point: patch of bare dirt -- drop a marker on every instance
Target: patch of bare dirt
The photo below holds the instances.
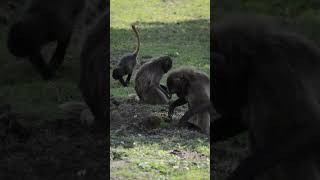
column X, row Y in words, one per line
column 63, row 149
column 130, row 115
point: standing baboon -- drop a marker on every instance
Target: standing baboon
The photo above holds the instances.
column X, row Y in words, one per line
column 44, row 22
column 94, row 70
column 269, row 79
column 147, row 81
column 127, row 63
column 192, row 87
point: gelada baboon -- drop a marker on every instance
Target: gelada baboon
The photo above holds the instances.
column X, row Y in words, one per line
column 127, row 63
column 193, row 88
column 44, row 22
column 94, row 70
column 267, row 80
column 147, row 81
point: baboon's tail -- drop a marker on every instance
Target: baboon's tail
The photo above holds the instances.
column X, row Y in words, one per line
column 138, row 39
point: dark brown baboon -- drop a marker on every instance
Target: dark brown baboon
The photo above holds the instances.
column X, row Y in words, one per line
column 147, row 81
column 193, row 88
column 44, row 22
column 267, row 80
column 94, row 70
column 127, row 63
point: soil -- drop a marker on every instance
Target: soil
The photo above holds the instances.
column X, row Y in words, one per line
column 63, row 149
column 130, row 115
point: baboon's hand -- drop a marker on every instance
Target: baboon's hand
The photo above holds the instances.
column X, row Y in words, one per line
column 124, row 84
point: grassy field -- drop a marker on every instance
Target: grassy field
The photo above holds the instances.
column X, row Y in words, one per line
column 180, row 29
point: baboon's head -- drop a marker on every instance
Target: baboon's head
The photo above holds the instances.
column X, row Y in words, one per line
column 166, row 63
column 177, row 83
column 117, row 74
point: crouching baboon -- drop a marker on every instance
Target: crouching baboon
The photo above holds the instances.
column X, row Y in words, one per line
column 192, row 87
column 267, row 80
column 147, row 81
column 127, row 63
column 94, row 69
column 44, row 22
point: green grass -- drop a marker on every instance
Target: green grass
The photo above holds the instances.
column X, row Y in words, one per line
column 180, row 29
column 23, row 88
column 148, row 156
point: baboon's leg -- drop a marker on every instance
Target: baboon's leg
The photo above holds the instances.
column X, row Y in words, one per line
column 204, row 122
column 58, row 57
column 155, row 96
column 178, row 102
column 41, row 66
column 200, row 109
column 128, row 78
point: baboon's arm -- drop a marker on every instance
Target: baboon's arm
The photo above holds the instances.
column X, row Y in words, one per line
column 41, row 66
column 128, row 79
column 122, row 82
column 178, row 102
column 58, row 56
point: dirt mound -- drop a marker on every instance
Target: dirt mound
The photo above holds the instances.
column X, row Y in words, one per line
column 132, row 116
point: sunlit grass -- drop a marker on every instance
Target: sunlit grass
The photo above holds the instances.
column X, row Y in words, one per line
column 124, row 12
column 180, row 29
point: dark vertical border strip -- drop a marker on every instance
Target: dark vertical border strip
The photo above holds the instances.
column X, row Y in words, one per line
column 108, row 95
column 211, row 82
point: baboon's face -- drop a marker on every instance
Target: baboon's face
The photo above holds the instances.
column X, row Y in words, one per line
column 171, row 84
column 177, row 85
